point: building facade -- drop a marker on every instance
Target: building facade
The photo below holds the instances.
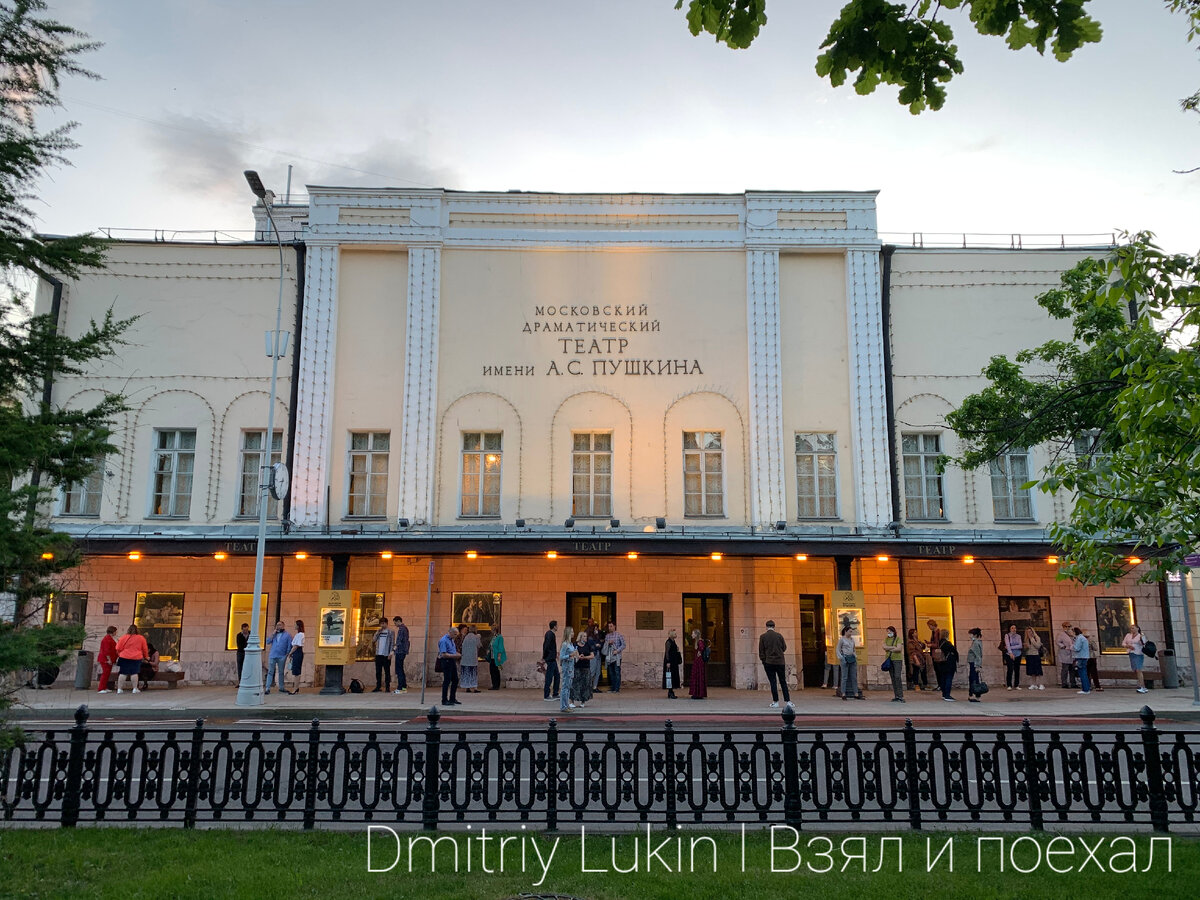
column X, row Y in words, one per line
column 667, row 411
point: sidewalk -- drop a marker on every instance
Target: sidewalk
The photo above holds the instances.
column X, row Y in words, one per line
column 722, row 704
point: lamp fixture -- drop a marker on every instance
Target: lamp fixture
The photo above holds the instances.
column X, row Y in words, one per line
column 1133, row 560
column 614, row 523
column 301, row 555
column 1053, row 560
column 570, row 523
column 781, row 525
column 134, row 555
column 220, row 556
column 968, row 560
column 632, row 554
column 520, row 523
column 402, row 523
column 717, row 556
column 801, row 557
column 551, row 554
column 882, row 558
column 385, row 554
column 660, row 523
column 472, row 554
column 47, row 555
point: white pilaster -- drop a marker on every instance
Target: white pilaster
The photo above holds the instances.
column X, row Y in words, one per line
column 418, row 441
column 767, row 504
column 868, row 400
column 314, row 401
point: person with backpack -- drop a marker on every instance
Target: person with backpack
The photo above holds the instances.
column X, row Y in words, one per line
column 1082, row 652
column 975, row 665
column 699, row 685
column 1135, row 645
column 893, row 649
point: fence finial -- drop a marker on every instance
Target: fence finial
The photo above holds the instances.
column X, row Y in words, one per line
column 81, row 715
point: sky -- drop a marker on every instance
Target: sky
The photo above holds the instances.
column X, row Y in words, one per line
column 572, row 95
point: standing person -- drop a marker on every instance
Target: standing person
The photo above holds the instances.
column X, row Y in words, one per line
column 614, row 644
column 470, row 661
column 1014, row 648
column 893, row 649
column 672, row 660
column 1135, row 646
column 296, row 654
column 597, row 642
column 581, row 688
column 567, row 655
column 771, row 650
column 402, row 647
column 918, row 674
column 108, row 658
column 1033, row 659
column 699, row 684
column 1093, row 661
column 935, row 650
column 974, row 664
column 949, row 667
column 383, row 657
column 849, row 663
column 1065, row 656
column 242, row 638
column 550, row 661
column 447, row 661
column 279, row 644
column 1082, row 654
column 496, row 657
column 131, row 650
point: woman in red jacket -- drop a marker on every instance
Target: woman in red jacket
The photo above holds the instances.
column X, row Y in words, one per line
column 131, row 650
column 108, row 657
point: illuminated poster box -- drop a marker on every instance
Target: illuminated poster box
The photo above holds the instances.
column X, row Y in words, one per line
column 337, row 624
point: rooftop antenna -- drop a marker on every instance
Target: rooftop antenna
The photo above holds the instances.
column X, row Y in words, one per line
column 287, row 191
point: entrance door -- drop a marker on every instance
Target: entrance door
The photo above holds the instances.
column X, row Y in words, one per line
column 812, row 639
column 601, row 607
column 710, row 614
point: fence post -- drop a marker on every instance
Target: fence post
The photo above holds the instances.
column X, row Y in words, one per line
column 791, row 769
column 193, row 782
column 1154, row 771
column 433, row 743
column 310, row 775
column 669, row 773
column 552, row 776
column 912, row 775
column 1033, row 784
column 73, row 790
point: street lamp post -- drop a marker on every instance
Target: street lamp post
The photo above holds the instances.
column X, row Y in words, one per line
column 271, row 480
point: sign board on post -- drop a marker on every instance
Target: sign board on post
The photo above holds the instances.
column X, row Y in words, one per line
column 850, row 608
column 337, row 625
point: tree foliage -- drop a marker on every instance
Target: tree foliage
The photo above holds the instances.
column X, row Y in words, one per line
column 42, row 446
column 1128, row 386
column 911, row 45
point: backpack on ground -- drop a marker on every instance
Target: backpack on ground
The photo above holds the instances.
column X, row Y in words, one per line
column 355, row 686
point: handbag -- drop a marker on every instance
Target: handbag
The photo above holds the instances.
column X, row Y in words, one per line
column 887, row 665
column 541, row 666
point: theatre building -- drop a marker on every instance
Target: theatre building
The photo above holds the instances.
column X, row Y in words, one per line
column 667, row 411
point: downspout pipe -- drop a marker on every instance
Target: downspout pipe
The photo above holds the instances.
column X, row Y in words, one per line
column 294, row 390
column 885, row 309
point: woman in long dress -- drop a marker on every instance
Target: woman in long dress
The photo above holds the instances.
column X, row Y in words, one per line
column 672, row 659
column 581, row 690
column 699, row 686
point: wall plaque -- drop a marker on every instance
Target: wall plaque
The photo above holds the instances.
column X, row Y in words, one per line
column 648, row 620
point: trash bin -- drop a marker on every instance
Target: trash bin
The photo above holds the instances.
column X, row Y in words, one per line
column 1170, row 672
column 83, row 670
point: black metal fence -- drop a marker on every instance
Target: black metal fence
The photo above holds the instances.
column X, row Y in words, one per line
column 547, row 777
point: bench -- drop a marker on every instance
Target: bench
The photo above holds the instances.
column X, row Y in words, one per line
column 1126, row 674
column 171, row 679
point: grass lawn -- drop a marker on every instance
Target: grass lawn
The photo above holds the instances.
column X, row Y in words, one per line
column 161, row 863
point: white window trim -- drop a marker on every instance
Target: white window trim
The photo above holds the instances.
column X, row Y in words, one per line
column 274, row 507
column 837, row 480
column 683, row 451
column 62, row 496
column 476, row 517
column 612, row 454
column 1016, row 520
column 360, row 517
column 941, row 478
column 153, row 452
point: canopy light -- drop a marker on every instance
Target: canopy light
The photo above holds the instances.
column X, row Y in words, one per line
column 220, row 555
column 300, row 554
column 134, row 555
column 471, row 554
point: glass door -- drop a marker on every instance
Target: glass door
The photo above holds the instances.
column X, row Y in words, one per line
column 600, row 608
column 710, row 615
column 812, row 639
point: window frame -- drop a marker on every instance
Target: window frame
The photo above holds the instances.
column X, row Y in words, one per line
column 273, row 508
column 837, row 477
column 1014, row 489
column 923, row 455
column 84, row 492
column 371, row 475
column 480, row 474
column 155, row 454
column 704, row 453
column 592, row 453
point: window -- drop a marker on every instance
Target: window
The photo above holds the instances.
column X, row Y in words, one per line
column 82, row 498
column 67, row 608
column 922, row 481
column 368, row 473
column 1009, row 499
column 591, row 474
column 253, row 463
column 703, row 474
column 481, row 459
column 174, row 462
column 1091, row 451
column 816, row 476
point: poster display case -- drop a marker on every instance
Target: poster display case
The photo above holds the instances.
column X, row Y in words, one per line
column 337, row 624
